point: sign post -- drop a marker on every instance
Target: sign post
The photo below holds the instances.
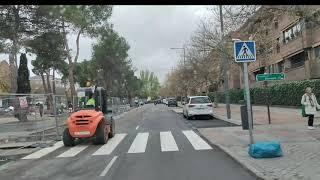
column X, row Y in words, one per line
column 265, row 78
column 244, row 52
column 267, row 99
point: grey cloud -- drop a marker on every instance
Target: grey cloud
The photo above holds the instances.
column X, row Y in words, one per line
column 152, row 30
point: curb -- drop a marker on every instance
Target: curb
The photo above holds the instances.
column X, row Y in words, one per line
column 252, row 170
column 227, row 120
column 248, row 167
column 245, row 165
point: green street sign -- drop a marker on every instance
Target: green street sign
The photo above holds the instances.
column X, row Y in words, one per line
column 270, row 77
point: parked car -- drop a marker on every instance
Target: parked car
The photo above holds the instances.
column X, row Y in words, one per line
column 165, row 101
column 197, row 106
column 172, row 102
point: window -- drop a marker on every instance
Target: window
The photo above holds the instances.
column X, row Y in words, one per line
column 200, row 100
column 271, row 68
column 292, row 32
column 278, row 45
column 281, row 66
column 297, row 60
column 317, row 52
column 276, row 24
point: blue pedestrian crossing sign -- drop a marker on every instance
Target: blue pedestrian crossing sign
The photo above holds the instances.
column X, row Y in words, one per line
column 244, row 51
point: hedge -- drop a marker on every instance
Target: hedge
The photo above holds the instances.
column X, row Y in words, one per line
column 285, row 94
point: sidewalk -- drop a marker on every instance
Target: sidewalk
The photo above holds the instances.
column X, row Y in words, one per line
column 278, row 115
column 300, row 146
column 15, row 128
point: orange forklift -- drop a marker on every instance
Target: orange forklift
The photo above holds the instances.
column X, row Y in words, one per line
column 89, row 121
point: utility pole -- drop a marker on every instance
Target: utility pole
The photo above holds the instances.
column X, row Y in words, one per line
column 184, row 63
column 225, row 68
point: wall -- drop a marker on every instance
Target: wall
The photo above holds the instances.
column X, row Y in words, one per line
column 296, row 74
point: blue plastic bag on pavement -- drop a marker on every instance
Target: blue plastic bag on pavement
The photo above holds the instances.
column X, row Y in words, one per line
column 265, row 150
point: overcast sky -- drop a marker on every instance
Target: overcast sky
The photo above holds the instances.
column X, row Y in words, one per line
column 150, row 31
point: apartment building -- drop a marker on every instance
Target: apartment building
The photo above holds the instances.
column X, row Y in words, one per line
column 294, row 50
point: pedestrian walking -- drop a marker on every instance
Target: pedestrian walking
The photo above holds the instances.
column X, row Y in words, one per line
column 41, row 109
column 70, row 107
column 311, row 106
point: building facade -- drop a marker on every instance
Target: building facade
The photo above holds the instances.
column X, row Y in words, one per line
column 295, row 50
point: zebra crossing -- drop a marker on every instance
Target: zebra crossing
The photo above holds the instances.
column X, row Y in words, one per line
column 138, row 145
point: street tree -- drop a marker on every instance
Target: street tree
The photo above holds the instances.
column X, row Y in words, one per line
column 80, row 20
column 17, row 24
column 85, row 72
column 150, row 84
column 23, row 75
column 23, row 87
column 110, row 54
column 49, row 50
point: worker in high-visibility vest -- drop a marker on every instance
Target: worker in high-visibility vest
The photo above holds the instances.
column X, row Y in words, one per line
column 91, row 101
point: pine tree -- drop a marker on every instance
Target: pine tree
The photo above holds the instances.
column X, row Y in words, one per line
column 23, row 75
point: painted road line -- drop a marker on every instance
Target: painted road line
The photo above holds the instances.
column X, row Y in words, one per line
column 139, row 144
column 105, row 171
column 167, row 142
column 137, row 127
column 197, row 142
column 73, row 151
column 111, row 145
column 44, row 151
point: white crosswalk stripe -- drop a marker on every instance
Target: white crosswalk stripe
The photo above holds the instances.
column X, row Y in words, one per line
column 167, row 142
column 111, row 145
column 44, row 151
column 139, row 144
column 197, row 142
column 73, row 151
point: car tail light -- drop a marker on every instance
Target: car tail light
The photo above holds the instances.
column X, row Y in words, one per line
column 190, row 105
column 210, row 105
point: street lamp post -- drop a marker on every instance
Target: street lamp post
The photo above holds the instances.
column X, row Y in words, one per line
column 184, row 54
column 225, row 68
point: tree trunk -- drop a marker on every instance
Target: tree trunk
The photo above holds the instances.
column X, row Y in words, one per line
column 216, row 100
column 13, row 73
column 53, row 82
column 45, row 88
column 49, row 97
column 71, row 63
column 14, row 49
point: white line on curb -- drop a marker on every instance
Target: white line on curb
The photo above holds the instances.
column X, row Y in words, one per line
column 105, row 171
column 137, row 127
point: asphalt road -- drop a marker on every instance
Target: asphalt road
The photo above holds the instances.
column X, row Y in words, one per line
column 152, row 143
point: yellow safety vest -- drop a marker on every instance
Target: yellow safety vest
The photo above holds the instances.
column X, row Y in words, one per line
column 91, row 102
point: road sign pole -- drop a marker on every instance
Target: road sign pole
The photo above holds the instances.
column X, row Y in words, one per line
column 246, row 84
column 267, row 100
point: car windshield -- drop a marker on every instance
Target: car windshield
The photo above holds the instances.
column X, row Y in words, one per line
column 200, row 100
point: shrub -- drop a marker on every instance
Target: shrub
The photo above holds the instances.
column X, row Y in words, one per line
column 285, row 94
